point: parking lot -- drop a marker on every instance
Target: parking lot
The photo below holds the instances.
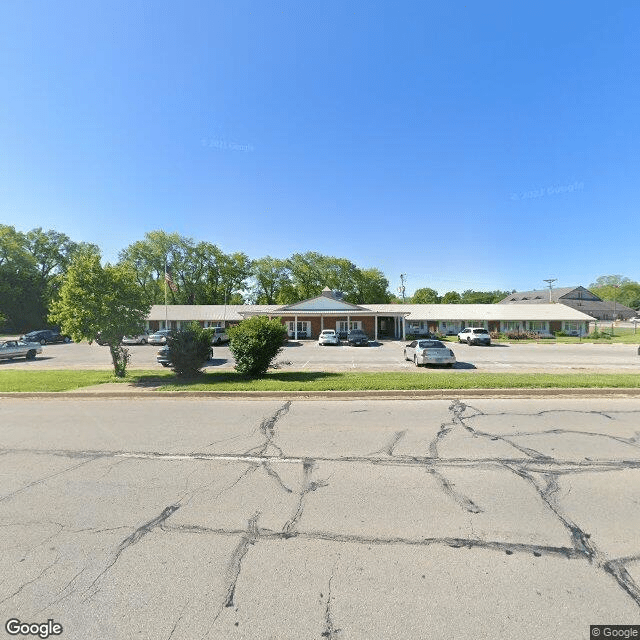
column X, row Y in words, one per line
column 387, row 356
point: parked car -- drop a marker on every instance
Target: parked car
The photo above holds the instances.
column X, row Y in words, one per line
column 10, row 349
column 141, row 338
column 160, row 337
column 45, row 336
column 429, row 352
column 163, row 356
column 328, row 336
column 357, row 337
column 475, row 335
column 219, row 335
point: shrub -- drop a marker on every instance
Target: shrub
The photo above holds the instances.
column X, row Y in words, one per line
column 189, row 349
column 561, row 334
column 599, row 335
column 255, row 342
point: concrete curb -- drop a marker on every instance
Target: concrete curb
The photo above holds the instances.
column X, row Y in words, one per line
column 414, row 394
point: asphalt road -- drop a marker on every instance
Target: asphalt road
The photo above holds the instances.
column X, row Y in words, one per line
column 310, row 356
column 186, row 519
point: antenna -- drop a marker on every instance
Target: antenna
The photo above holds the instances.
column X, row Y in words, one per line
column 550, row 281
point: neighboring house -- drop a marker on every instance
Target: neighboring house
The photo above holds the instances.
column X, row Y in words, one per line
column 307, row 318
column 577, row 298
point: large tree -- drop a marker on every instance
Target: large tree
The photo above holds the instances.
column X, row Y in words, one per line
column 100, row 300
column 201, row 272
column 426, row 295
column 270, row 281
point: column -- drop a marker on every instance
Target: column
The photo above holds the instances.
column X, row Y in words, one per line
column 375, row 324
column 295, row 327
column 404, row 326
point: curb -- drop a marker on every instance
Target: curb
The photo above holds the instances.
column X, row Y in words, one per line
column 413, row 394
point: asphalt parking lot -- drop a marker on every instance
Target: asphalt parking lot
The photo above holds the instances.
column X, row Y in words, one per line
column 388, row 356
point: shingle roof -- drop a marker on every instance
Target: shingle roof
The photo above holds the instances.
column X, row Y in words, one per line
column 205, row 312
column 483, row 311
column 232, row 312
column 539, row 296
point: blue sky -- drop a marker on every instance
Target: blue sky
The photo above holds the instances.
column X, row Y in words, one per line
column 480, row 145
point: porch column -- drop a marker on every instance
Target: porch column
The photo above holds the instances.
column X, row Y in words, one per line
column 348, row 324
column 375, row 324
column 402, row 319
column 295, row 327
column 321, row 323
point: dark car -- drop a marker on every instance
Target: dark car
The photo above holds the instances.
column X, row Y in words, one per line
column 357, row 337
column 45, row 336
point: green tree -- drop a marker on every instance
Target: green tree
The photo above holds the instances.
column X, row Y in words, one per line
column 425, row 295
column 451, row 297
column 482, row 297
column 100, row 300
column 270, row 280
column 255, row 342
column 608, row 281
column 371, row 286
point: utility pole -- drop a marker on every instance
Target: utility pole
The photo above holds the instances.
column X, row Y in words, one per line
column 550, row 281
column 615, row 297
column 401, row 288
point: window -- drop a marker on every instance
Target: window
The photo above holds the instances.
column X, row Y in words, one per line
column 537, row 325
column 302, row 327
column 571, row 327
column 341, row 325
column 511, row 326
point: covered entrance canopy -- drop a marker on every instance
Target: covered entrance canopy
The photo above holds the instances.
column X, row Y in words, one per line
column 327, row 311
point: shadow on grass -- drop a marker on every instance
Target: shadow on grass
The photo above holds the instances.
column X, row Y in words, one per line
column 216, row 377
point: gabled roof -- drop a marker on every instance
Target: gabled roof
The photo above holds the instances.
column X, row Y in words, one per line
column 321, row 303
column 541, row 296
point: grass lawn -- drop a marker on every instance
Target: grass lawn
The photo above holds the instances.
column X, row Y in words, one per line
column 314, row 381
column 623, row 335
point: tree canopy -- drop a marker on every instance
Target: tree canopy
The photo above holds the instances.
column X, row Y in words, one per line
column 100, row 300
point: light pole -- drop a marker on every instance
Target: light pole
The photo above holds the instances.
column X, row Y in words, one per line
column 615, row 296
column 550, row 281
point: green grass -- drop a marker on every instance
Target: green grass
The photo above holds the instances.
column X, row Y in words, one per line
column 426, row 379
column 60, row 380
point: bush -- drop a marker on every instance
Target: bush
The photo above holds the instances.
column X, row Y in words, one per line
column 599, row 335
column 561, row 334
column 189, row 349
column 255, row 342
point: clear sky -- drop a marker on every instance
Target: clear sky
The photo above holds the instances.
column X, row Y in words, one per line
column 484, row 145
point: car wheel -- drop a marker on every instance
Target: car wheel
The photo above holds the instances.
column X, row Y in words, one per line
column 164, row 364
column 43, row 342
column 415, row 361
column 469, row 341
column 405, row 354
column 66, row 339
column 31, row 354
column 143, row 341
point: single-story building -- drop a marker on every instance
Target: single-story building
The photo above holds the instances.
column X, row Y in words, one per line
column 307, row 318
column 576, row 297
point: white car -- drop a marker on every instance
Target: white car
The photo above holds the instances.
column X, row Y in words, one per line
column 19, row 349
column 475, row 335
column 142, row 338
column 328, row 336
column 219, row 335
column 429, row 352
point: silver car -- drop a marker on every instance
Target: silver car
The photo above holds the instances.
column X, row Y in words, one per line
column 328, row 336
column 429, row 352
column 160, row 337
column 19, row 349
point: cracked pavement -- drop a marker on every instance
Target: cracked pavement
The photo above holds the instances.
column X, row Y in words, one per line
column 202, row 518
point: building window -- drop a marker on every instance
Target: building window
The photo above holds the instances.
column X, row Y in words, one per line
column 571, row 327
column 537, row 325
column 302, row 327
column 341, row 325
column 511, row 326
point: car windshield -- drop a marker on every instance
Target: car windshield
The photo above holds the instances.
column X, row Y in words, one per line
column 431, row 344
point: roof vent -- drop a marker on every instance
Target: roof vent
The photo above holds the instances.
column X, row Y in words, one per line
column 327, row 293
